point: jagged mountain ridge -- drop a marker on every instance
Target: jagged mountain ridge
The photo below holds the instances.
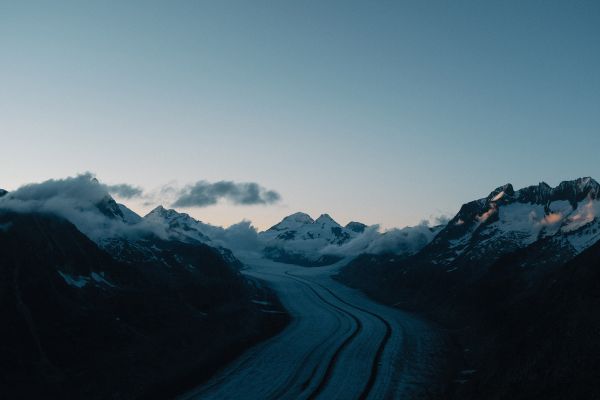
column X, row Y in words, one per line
column 179, row 224
column 561, row 222
column 301, row 226
column 300, row 239
column 180, row 227
column 506, row 220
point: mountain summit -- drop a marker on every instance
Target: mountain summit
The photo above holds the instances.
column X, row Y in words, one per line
column 180, row 225
column 293, row 221
column 300, row 239
column 507, row 220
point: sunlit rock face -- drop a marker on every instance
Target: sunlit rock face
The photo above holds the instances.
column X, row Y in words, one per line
column 507, row 220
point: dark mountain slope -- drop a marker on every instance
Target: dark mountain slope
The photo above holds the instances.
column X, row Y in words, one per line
column 543, row 331
column 79, row 324
column 529, row 326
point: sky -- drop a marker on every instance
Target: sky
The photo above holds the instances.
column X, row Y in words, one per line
column 385, row 112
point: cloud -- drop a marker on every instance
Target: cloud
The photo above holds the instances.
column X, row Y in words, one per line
column 440, row 220
column 238, row 237
column 405, row 241
column 125, row 190
column 82, row 200
column 202, row 194
column 86, row 202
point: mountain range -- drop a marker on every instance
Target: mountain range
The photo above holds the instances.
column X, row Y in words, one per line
column 298, row 239
column 509, row 277
column 98, row 302
column 90, row 289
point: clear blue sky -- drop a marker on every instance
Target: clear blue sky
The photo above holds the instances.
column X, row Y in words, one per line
column 380, row 111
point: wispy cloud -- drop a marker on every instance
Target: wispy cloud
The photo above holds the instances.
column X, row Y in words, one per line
column 202, row 194
column 125, row 190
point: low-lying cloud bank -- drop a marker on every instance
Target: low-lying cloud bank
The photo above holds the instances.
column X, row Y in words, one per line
column 202, row 194
column 82, row 200
column 408, row 240
column 86, row 203
column 242, row 236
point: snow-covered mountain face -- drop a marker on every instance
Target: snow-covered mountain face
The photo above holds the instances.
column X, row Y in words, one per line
column 129, row 216
column 300, row 239
column 241, row 237
column 302, row 228
column 507, row 220
column 178, row 225
column 86, row 203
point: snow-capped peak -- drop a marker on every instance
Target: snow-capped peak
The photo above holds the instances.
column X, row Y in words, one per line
column 300, row 235
column 109, row 207
column 161, row 211
column 578, row 189
column 129, row 216
column 538, row 194
column 501, row 192
column 326, row 220
column 179, row 224
column 505, row 220
column 357, row 227
column 299, row 217
column 293, row 221
column 169, row 215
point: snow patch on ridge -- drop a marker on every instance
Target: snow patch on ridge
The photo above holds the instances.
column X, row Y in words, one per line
column 77, row 281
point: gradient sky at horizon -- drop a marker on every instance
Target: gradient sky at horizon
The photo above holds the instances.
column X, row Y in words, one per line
column 384, row 112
